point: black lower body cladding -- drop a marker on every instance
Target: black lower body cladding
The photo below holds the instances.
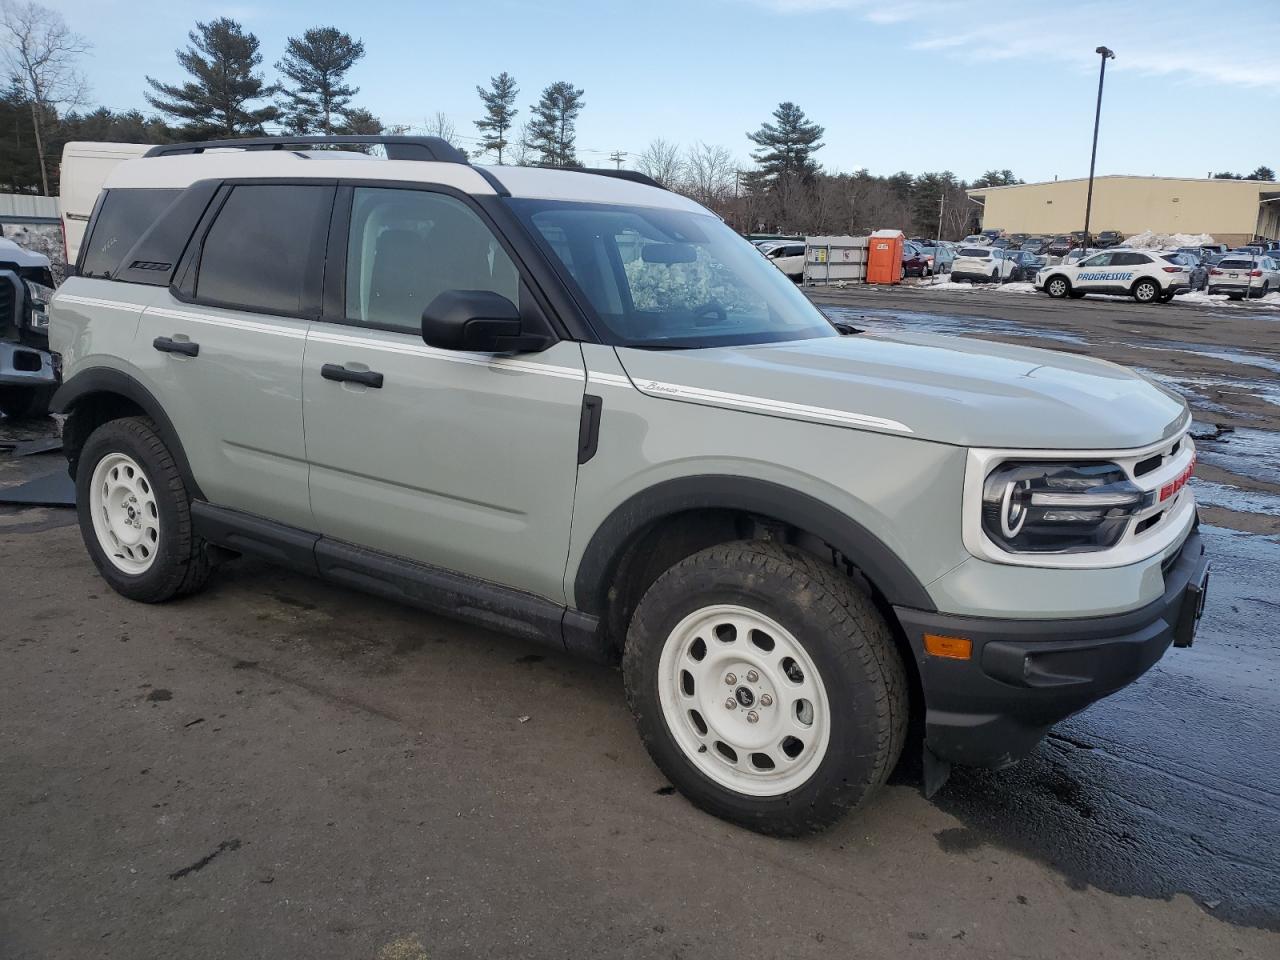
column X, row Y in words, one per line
column 1023, row 676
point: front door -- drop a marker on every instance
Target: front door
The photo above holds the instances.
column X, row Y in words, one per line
column 460, row 460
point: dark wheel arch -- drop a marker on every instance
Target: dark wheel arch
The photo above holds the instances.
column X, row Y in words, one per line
column 96, row 396
column 770, row 501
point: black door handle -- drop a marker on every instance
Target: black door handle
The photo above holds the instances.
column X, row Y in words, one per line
column 335, row 371
column 169, row 345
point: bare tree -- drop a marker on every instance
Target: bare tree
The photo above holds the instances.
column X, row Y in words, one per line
column 40, row 52
column 661, row 160
column 441, row 126
column 709, row 173
column 523, row 152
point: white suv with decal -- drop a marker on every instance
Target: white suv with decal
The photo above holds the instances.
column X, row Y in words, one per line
column 1147, row 277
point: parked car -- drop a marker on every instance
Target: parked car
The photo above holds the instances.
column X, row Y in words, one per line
column 983, row 265
column 1018, row 239
column 579, row 408
column 1214, row 248
column 1061, row 245
column 1108, row 238
column 28, row 371
column 1197, row 262
column 975, row 240
column 1002, row 243
column 789, row 258
column 992, row 233
column 914, row 261
column 941, row 256
column 1036, row 245
column 1244, row 276
column 1078, row 254
column 1147, row 277
column 1026, row 264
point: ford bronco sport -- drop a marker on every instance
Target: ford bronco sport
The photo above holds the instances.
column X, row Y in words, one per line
column 577, row 407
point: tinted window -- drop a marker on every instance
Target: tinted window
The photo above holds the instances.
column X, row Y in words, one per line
column 1101, row 260
column 407, row 247
column 1129, row 259
column 1233, row 264
column 264, row 251
column 979, row 253
column 124, row 216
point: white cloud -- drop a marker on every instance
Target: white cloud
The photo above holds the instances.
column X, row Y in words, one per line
column 1172, row 39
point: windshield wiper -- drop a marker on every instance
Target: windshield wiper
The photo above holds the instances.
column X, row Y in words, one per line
column 846, row 329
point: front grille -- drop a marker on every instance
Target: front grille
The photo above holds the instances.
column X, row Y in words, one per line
column 8, row 297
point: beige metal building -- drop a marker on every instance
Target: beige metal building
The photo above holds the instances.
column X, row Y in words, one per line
column 1233, row 211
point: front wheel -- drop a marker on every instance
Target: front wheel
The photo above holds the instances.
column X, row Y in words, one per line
column 1057, row 287
column 1146, row 291
column 23, row 403
column 135, row 514
column 766, row 687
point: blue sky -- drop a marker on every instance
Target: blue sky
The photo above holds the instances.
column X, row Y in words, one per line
column 915, row 85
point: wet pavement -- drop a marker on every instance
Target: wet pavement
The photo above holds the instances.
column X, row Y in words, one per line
column 338, row 774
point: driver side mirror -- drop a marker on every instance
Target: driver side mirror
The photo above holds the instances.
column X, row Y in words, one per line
column 480, row 321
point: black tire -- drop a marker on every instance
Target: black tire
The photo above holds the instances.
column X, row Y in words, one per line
column 25, row 403
column 840, row 630
column 1058, row 286
column 1146, row 290
column 182, row 564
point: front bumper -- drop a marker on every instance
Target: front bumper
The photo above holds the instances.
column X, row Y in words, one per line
column 24, row 366
column 1025, row 675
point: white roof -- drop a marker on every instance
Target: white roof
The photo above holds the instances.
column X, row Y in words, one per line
column 182, row 170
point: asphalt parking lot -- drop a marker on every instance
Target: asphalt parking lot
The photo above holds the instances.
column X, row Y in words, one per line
column 279, row 767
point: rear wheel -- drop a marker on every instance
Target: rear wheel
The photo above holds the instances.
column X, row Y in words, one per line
column 765, row 686
column 1057, row 287
column 22, row 403
column 1146, row 291
column 135, row 514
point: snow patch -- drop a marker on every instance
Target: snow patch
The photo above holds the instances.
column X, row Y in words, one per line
column 1149, row 240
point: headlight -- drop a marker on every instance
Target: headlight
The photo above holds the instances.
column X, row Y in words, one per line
column 38, row 295
column 1045, row 507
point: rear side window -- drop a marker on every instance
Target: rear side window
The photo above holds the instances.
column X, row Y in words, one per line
column 125, row 215
column 264, row 251
column 1129, row 259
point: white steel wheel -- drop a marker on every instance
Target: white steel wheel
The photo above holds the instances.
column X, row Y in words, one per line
column 126, row 519
column 743, row 700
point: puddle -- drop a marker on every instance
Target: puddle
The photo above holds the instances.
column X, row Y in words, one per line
column 1210, row 494
column 1213, row 353
column 1245, row 452
column 1193, row 388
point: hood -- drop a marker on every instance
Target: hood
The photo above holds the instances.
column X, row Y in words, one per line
column 10, row 252
column 945, row 389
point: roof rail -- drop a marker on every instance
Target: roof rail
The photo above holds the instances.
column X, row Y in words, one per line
column 634, row 176
column 397, row 147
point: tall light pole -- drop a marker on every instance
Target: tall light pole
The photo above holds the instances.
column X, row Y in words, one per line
column 1106, row 54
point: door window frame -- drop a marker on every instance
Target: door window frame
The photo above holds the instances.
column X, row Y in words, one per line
column 535, row 310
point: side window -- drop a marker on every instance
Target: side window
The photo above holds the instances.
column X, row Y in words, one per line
column 264, row 251
column 1101, row 260
column 123, row 218
column 406, row 247
column 1129, row 259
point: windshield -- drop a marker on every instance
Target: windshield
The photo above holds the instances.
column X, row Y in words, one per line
column 669, row 278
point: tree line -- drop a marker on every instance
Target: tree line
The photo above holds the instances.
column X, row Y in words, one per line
column 224, row 93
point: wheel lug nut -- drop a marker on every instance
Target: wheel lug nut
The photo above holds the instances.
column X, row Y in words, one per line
column 731, row 678
column 766, row 700
column 752, row 676
column 752, row 716
column 730, row 703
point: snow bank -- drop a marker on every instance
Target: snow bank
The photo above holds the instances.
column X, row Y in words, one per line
column 1147, row 240
column 948, row 286
column 1201, row 298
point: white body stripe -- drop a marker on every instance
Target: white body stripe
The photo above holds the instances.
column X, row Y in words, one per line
column 95, row 302
column 656, row 388
column 234, row 322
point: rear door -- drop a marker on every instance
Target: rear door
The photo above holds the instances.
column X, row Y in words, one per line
column 464, row 461
column 223, row 347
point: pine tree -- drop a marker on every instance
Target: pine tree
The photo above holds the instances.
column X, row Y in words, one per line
column 787, row 146
column 1263, row 173
column 499, row 109
column 552, row 136
column 317, row 64
column 359, row 122
column 216, row 102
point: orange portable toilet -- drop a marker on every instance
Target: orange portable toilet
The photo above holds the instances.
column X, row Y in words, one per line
column 884, row 257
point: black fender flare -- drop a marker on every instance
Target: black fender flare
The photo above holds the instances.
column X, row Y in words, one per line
column 105, row 381
column 863, row 549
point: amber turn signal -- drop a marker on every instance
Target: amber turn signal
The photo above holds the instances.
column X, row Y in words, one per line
column 957, row 648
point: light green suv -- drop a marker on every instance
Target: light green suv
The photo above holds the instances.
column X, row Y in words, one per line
column 577, row 407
